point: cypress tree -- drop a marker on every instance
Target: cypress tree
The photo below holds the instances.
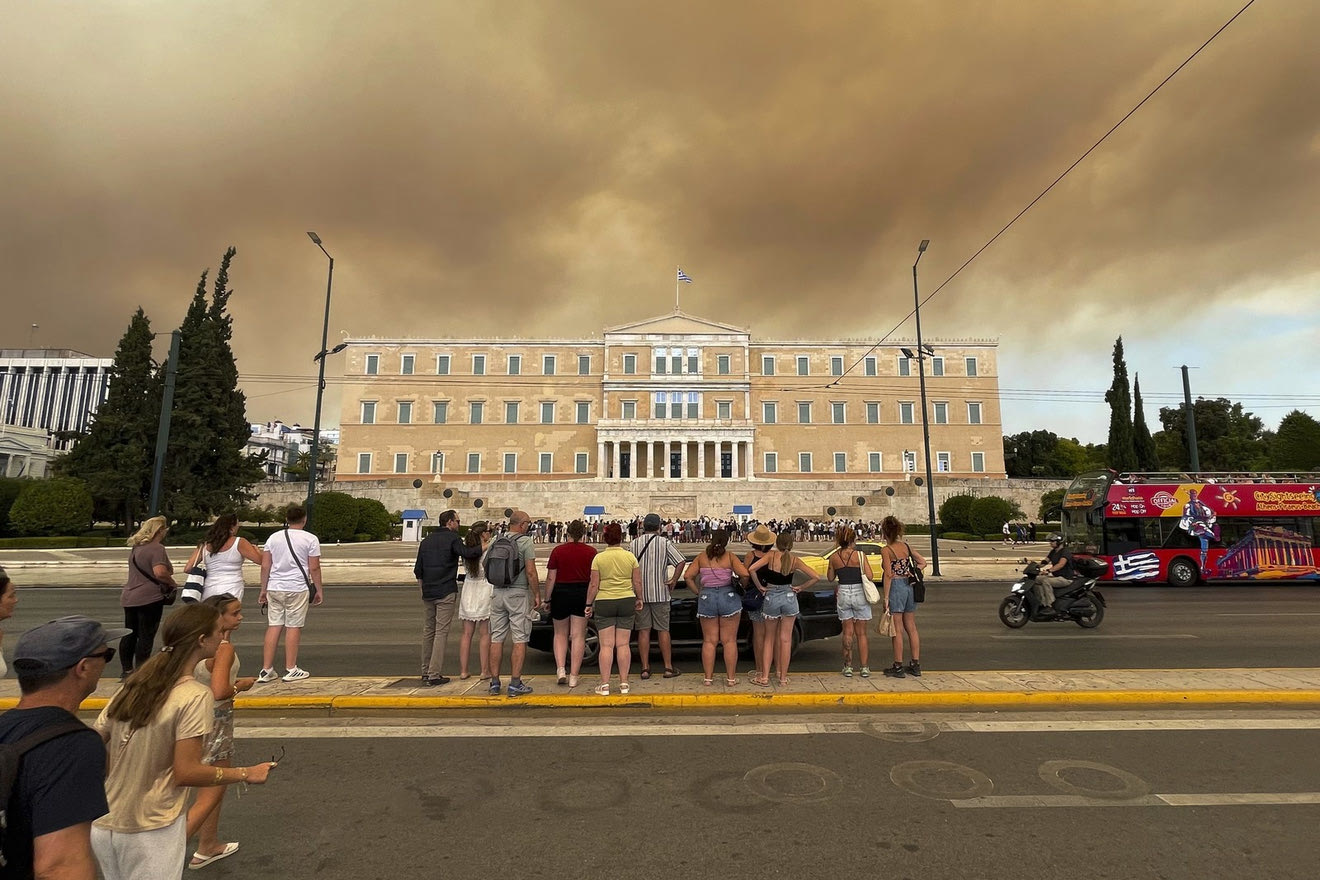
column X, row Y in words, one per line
column 114, row 456
column 1148, row 459
column 1121, row 451
column 207, row 471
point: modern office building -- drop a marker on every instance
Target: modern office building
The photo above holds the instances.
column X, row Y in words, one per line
column 670, row 399
column 54, row 390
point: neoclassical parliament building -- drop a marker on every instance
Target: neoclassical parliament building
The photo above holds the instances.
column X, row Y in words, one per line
column 663, row 403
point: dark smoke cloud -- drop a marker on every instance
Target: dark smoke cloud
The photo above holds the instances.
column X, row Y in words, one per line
column 562, row 158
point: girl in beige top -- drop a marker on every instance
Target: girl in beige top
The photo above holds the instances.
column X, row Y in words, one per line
column 153, row 730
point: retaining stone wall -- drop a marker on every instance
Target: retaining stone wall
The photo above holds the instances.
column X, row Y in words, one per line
column 769, row 499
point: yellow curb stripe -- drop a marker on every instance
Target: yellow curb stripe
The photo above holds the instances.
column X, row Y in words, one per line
column 877, row 699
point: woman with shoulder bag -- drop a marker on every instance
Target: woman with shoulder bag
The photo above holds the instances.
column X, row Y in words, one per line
column 149, row 589
column 153, row 729
column 222, row 554
column 898, row 596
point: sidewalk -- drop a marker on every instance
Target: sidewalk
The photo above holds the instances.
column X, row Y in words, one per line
column 805, row 691
column 365, row 572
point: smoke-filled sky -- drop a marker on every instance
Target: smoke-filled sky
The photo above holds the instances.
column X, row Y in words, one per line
column 541, row 167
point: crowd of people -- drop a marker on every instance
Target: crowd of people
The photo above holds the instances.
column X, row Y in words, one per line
column 125, row 796
column 698, row 530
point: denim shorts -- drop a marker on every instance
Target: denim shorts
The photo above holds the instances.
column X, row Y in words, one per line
column 852, row 603
column 901, row 600
column 719, row 602
column 780, row 603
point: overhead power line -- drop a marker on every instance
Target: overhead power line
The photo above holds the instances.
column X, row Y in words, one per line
column 1055, row 182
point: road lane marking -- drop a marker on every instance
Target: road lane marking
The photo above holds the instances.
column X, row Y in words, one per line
column 870, row 727
column 1156, row 636
column 1268, row 614
column 1244, row 799
column 1140, row 724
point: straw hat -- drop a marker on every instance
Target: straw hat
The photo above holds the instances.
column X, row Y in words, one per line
column 761, row 536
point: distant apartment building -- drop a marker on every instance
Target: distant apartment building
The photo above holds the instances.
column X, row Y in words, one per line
column 672, row 398
column 51, row 389
column 282, row 444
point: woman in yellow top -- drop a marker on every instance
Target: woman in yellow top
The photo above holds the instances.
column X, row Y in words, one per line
column 614, row 596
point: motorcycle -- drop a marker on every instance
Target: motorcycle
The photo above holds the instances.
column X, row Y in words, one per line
column 1080, row 602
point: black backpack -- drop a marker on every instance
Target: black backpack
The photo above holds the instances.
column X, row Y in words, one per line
column 503, row 561
column 11, row 759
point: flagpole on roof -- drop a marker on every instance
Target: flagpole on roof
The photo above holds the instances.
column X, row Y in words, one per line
column 677, row 270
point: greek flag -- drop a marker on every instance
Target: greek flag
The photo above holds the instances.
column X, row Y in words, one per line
column 1136, row 566
column 683, row 276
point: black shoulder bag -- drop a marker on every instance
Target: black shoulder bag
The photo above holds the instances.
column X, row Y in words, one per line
column 311, row 587
column 167, row 593
column 918, row 578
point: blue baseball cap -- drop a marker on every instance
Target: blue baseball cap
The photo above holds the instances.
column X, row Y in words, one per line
column 60, row 644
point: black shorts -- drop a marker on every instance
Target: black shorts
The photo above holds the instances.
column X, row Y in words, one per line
column 568, row 600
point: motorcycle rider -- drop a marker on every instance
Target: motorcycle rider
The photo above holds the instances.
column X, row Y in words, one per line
column 1057, row 571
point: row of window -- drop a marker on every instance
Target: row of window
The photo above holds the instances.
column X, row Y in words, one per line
column 675, row 405
column 545, row 462
column 667, row 361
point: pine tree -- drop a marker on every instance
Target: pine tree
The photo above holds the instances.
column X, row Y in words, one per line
column 114, row 456
column 1148, row 459
column 1122, row 454
column 207, row 471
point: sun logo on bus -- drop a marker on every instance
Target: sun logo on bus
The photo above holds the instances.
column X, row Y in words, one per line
column 1230, row 499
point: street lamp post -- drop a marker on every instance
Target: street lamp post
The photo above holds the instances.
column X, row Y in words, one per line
column 925, row 423
column 314, row 464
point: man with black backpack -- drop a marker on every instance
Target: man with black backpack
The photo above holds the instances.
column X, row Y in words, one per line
column 52, row 766
column 511, row 570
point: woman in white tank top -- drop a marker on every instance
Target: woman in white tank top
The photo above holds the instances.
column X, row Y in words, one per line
column 223, row 553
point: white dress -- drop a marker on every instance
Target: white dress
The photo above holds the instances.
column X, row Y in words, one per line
column 475, row 594
column 224, row 572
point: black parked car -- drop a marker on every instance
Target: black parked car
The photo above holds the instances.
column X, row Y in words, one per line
column 818, row 620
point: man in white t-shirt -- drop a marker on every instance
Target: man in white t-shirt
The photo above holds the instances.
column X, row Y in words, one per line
column 290, row 560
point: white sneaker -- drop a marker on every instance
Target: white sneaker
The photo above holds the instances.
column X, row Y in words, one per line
column 266, row 676
column 297, row 673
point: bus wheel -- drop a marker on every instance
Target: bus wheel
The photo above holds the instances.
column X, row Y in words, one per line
column 1183, row 572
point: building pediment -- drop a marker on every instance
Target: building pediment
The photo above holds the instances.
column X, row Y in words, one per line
column 675, row 323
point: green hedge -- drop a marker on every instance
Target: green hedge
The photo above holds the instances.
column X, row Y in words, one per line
column 58, row 543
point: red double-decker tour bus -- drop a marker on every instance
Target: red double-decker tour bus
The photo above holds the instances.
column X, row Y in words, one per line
column 1186, row 528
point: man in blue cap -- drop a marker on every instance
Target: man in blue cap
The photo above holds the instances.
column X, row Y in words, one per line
column 60, row 785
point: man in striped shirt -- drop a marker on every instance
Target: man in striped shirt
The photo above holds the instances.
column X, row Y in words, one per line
column 656, row 554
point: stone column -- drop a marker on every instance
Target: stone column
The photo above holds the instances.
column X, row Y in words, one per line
column 664, row 459
column 701, row 460
column 736, row 467
column 615, row 459
column 600, row 459
column 683, row 459
column 751, row 459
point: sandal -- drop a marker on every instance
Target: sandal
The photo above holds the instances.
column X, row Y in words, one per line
column 623, row 687
column 200, row 861
column 602, row 690
column 760, row 682
column 708, row 682
column 783, row 682
column 671, row 672
column 646, row 673
column 730, row 681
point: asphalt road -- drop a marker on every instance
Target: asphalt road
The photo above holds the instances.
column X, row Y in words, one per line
column 533, row 798
column 376, row 631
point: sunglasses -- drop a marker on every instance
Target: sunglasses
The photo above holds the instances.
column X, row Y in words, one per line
column 107, row 655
